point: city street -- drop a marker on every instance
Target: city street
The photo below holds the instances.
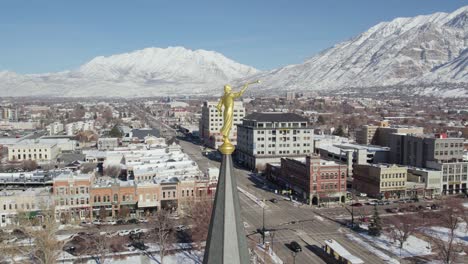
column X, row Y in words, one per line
column 287, row 220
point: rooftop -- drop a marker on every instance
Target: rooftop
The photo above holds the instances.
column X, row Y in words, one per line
column 275, row 117
column 343, row 252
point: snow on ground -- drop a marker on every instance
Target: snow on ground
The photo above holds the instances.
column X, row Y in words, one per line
column 63, row 237
column 68, row 226
column 442, row 233
column 412, row 247
column 274, row 258
column 372, row 249
column 319, row 217
column 252, row 197
column 184, row 257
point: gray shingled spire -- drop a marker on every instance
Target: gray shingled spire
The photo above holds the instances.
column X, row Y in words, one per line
column 226, row 241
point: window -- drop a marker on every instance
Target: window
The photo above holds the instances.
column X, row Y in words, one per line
column 116, row 197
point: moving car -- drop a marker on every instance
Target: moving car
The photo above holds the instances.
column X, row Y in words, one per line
column 295, row 246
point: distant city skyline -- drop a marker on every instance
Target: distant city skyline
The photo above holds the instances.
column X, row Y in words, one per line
column 39, row 37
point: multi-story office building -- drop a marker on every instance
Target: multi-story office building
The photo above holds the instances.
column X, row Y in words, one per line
column 380, row 180
column 33, row 150
column 9, row 113
column 435, row 152
column 211, row 123
column 351, row 154
column 267, row 137
column 454, row 175
column 366, row 134
column 379, row 134
column 55, row 128
column 313, row 179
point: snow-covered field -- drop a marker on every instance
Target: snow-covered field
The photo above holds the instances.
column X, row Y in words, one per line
column 411, row 248
column 372, row 249
column 442, row 233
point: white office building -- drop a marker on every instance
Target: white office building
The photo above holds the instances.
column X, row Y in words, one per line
column 267, row 137
column 211, row 123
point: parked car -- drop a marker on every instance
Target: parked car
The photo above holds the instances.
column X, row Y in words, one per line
column 120, row 222
column 139, row 245
column 132, row 221
column 124, row 233
column 356, row 204
column 70, row 249
column 295, row 246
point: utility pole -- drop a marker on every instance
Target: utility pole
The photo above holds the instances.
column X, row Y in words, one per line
column 263, row 222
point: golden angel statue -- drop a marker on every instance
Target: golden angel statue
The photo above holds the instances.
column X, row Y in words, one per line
column 227, row 100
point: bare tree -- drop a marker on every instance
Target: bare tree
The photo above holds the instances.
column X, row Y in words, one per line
column 46, row 247
column 446, row 243
column 88, row 167
column 29, row 165
column 98, row 248
column 401, row 227
column 162, row 231
column 112, row 171
column 195, row 214
column 102, row 213
column 124, row 212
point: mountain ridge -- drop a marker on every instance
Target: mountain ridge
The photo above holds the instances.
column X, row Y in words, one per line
column 430, row 50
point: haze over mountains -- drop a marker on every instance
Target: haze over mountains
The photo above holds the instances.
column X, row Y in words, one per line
column 428, row 51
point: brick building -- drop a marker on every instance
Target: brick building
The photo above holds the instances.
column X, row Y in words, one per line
column 71, row 193
column 117, row 198
column 313, row 179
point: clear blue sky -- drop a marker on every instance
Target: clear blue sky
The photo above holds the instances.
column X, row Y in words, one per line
column 45, row 36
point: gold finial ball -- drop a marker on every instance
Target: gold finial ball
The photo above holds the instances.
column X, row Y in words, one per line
column 226, row 148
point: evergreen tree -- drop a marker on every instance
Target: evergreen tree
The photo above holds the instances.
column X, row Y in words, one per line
column 339, row 131
column 321, row 120
column 115, row 132
column 376, row 226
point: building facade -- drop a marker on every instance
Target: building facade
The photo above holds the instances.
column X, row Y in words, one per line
column 380, row 180
column 211, row 123
column 313, row 179
column 33, row 150
column 71, row 195
column 431, row 179
column 29, row 202
column 267, row 137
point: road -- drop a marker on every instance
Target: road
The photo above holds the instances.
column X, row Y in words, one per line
column 289, row 221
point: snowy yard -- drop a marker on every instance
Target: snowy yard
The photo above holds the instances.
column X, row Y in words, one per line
column 372, row 249
column 443, row 233
column 411, row 248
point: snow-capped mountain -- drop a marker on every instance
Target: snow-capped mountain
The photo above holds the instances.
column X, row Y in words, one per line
column 147, row 72
column 427, row 49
